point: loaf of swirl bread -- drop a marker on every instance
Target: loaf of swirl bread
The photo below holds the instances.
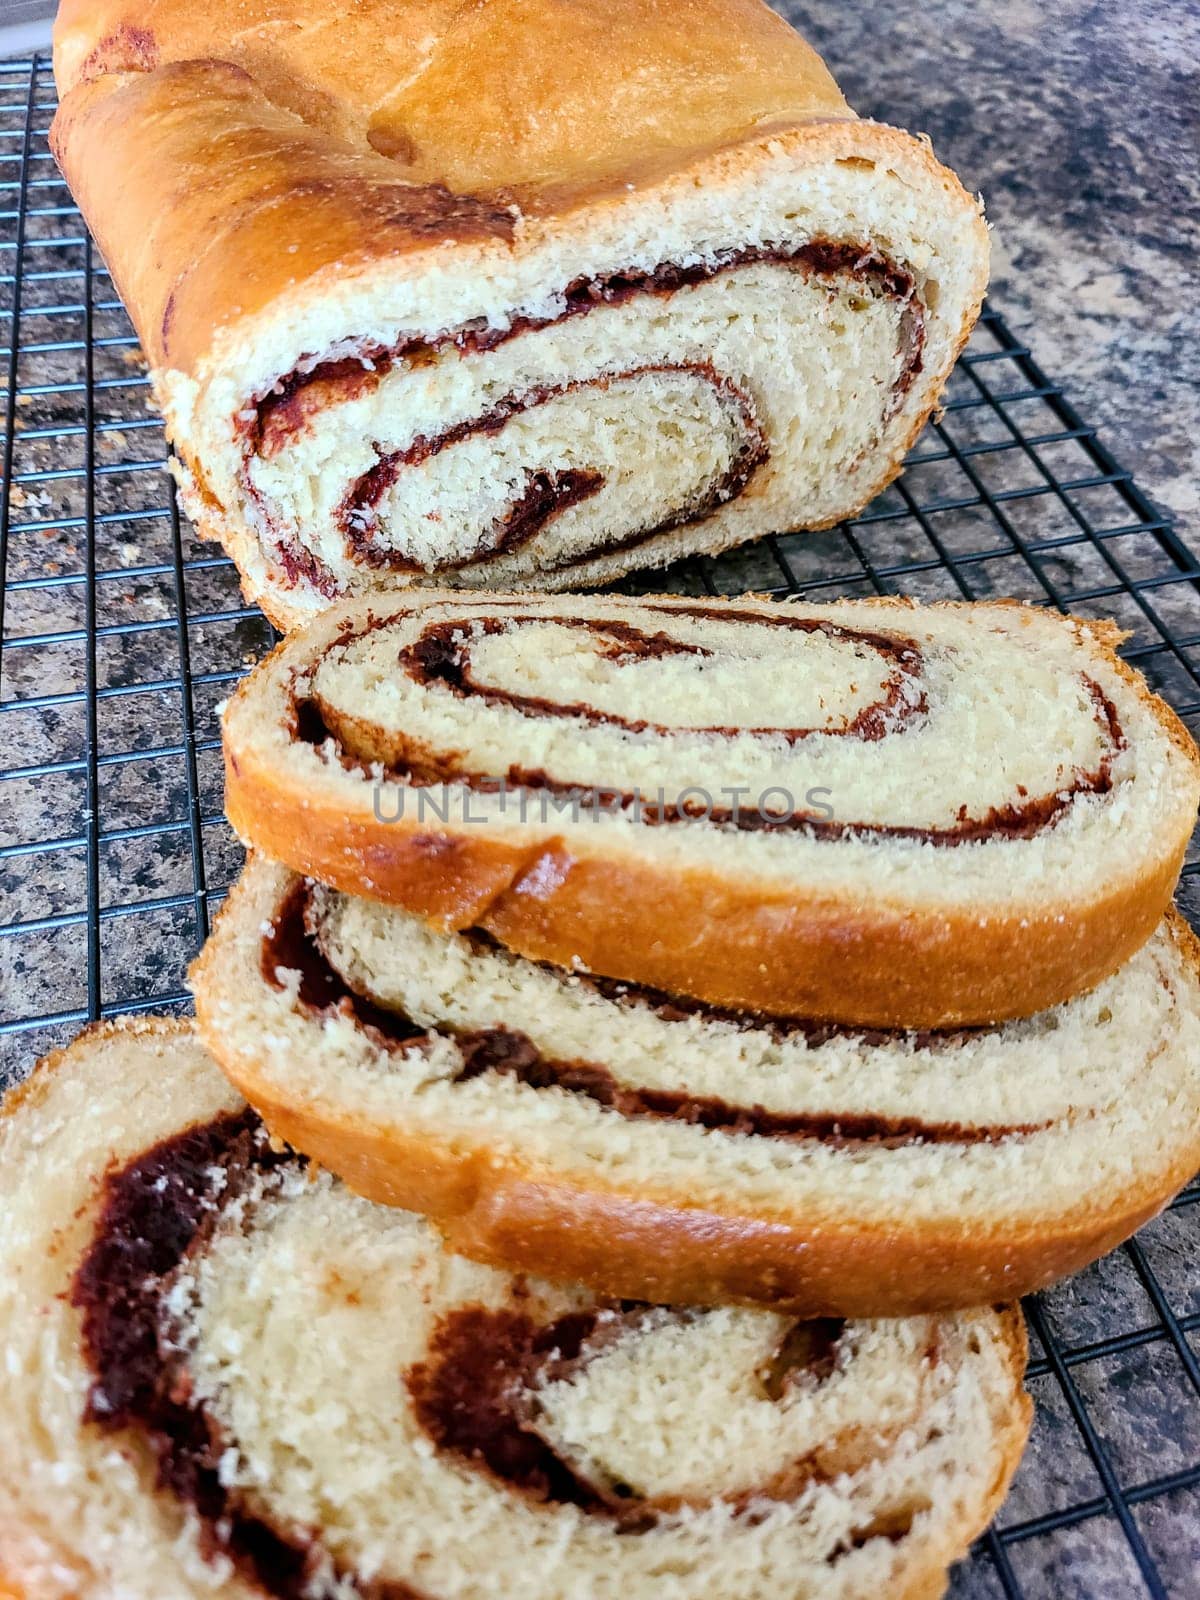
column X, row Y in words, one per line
column 530, row 292
column 663, row 1150
column 871, row 812
column 225, row 1375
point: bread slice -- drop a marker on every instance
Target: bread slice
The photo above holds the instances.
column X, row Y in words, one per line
column 225, row 1375
column 873, row 811
column 660, row 1150
column 525, row 293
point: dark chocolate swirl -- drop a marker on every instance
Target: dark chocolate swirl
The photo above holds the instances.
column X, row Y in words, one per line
column 156, row 1211
column 159, row 1210
column 443, row 655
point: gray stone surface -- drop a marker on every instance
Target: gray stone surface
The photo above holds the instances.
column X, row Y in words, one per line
column 1081, row 125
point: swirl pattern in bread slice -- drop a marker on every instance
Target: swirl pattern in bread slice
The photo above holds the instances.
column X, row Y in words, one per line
column 227, row 1375
column 662, row 1150
column 609, row 429
column 871, row 811
column 416, row 312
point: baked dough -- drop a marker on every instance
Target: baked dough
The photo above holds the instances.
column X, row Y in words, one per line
column 875, row 812
column 225, row 1376
column 519, row 294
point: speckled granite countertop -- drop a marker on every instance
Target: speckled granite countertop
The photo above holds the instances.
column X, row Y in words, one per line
column 1080, row 125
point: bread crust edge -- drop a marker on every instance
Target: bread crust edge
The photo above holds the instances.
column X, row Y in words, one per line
column 692, row 931
column 927, row 1582
column 670, row 1252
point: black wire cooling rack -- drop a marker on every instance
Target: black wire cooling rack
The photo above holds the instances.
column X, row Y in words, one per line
column 121, row 635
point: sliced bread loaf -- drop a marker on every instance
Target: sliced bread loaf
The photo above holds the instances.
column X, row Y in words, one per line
column 666, row 1151
column 528, row 293
column 224, row 1375
column 871, row 812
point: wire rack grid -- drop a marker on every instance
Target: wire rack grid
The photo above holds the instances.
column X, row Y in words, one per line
column 120, row 634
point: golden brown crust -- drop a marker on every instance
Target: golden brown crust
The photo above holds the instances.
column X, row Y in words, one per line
column 241, row 162
column 197, row 153
column 495, row 96
column 259, row 130
column 666, row 1251
column 692, row 931
column 664, row 1247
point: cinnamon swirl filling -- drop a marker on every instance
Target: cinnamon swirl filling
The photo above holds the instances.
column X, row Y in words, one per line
column 531, row 470
column 293, row 951
column 532, row 683
column 489, row 1391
